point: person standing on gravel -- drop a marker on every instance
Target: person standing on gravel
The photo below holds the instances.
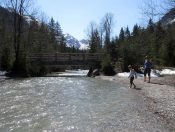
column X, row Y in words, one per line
column 147, row 68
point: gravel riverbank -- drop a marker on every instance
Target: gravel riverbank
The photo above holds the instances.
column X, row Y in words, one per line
column 159, row 95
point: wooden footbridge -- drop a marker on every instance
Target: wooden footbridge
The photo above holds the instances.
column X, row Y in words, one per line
column 67, row 60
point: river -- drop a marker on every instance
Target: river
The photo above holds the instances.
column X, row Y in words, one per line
column 78, row 104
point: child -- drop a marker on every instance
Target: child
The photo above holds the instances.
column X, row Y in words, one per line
column 132, row 74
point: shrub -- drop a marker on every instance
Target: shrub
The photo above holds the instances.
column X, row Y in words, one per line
column 107, row 67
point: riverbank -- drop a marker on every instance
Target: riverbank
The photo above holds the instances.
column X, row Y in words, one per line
column 159, row 95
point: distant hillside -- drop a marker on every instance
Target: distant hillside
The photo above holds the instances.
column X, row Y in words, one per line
column 5, row 18
column 168, row 18
column 4, row 12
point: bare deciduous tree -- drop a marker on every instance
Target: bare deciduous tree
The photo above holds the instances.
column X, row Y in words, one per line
column 19, row 9
column 171, row 3
column 107, row 28
column 101, row 33
column 155, row 9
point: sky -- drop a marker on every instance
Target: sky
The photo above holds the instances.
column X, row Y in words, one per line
column 74, row 16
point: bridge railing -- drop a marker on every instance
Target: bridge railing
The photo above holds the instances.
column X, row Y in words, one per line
column 57, row 57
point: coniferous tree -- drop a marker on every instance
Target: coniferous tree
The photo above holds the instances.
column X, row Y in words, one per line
column 33, row 32
column 95, row 41
column 127, row 33
column 58, row 30
column 46, row 39
column 52, row 33
column 159, row 36
column 113, row 50
column 6, row 59
column 135, row 31
column 121, row 35
column 150, row 26
column 61, row 45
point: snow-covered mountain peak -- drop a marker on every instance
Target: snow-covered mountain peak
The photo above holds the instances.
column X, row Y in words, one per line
column 84, row 44
column 72, row 41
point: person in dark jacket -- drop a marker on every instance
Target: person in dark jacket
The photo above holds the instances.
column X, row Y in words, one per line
column 147, row 68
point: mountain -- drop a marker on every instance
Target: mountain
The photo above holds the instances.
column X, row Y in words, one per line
column 168, row 18
column 72, row 41
column 84, row 44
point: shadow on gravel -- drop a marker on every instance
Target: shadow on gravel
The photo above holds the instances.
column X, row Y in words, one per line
column 156, row 83
column 138, row 88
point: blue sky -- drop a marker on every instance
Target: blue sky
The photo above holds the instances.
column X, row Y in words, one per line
column 74, row 16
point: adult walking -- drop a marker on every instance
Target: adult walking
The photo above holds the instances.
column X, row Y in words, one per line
column 147, row 68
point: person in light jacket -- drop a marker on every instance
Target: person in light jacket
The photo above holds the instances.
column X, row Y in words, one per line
column 132, row 75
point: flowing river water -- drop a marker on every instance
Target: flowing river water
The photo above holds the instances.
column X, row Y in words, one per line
column 76, row 104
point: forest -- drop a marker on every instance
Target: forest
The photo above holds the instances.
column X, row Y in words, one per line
column 22, row 35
